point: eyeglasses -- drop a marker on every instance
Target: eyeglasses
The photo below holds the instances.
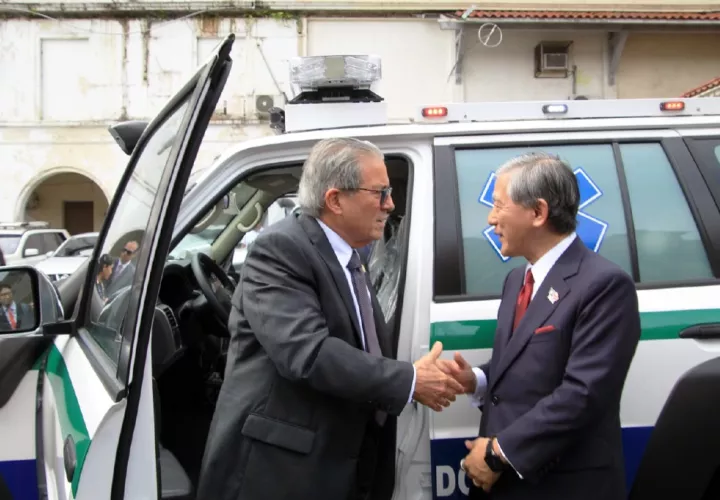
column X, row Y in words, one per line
column 128, row 251
column 384, row 193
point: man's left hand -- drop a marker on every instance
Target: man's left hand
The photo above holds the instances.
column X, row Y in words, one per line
column 475, row 466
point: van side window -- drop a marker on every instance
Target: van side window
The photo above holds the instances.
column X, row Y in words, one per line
column 601, row 222
column 663, row 235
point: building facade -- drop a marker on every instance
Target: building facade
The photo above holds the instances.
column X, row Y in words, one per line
column 70, row 70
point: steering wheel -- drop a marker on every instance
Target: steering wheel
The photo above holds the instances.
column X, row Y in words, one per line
column 215, row 285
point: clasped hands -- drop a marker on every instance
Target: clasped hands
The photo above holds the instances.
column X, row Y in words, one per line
column 438, row 382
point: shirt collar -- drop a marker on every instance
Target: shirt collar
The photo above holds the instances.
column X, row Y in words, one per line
column 342, row 249
column 545, row 263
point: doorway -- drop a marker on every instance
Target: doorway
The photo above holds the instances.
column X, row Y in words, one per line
column 78, row 216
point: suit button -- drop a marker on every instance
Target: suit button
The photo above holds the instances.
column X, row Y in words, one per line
column 494, row 400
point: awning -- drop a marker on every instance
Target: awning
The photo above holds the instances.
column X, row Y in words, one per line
column 709, row 89
column 587, row 17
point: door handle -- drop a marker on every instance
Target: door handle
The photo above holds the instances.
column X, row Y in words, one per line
column 69, row 457
column 701, row 331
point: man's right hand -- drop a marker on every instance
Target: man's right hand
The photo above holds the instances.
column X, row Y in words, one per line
column 433, row 387
column 461, row 371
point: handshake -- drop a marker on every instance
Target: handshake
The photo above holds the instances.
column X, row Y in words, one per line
column 439, row 381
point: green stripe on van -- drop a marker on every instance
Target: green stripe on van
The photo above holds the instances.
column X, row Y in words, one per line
column 70, row 416
column 479, row 334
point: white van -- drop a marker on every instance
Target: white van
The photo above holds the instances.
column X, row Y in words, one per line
column 115, row 401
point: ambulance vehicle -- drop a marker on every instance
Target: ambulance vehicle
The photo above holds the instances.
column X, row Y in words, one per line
column 113, row 399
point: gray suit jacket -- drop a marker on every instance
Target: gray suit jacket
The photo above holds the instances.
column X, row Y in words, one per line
column 299, row 393
column 121, row 280
column 554, row 386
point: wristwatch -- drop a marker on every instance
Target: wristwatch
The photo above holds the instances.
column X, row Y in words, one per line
column 493, row 460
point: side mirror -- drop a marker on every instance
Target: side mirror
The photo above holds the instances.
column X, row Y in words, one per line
column 31, row 252
column 19, row 300
column 49, row 254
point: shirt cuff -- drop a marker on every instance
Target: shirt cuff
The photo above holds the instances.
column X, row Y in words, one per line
column 412, row 387
column 507, row 459
column 476, row 399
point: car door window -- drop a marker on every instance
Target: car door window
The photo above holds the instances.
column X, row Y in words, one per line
column 665, row 233
column 34, row 241
column 51, row 242
column 601, row 221
column 113, row 286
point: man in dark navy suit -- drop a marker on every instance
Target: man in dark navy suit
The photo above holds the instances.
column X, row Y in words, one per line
column 14, row 315
column 568, row 326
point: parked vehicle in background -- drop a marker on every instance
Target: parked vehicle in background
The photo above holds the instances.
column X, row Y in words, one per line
column 27, row 243
column 68, row 256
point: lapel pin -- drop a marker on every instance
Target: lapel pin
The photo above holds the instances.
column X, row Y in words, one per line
column 553, row 295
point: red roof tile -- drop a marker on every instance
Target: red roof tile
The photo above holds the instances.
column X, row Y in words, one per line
column 536, row 14
column 703, row 88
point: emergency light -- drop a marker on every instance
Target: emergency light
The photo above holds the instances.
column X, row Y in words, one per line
column 335, row 92
column 312, row 73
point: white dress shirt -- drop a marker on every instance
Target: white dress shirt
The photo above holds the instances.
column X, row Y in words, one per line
column 539, row 271
column 343, row 252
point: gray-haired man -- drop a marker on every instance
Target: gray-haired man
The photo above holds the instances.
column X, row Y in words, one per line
column 307, row 407
column 568, row 326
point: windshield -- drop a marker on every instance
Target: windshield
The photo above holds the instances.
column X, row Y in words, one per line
column 9, row 243
column 76, row 246
column 201, row 241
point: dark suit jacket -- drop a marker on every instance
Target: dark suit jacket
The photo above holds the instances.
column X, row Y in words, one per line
column 553, row 398
column 295, row 413
column 24, row 318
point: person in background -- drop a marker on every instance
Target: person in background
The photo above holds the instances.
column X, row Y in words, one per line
column 15, row 316
column 123, row 270
column 105, row 270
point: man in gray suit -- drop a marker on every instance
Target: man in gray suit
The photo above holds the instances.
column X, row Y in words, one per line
column 307, row 409
column 568, row 327
column 123, row 271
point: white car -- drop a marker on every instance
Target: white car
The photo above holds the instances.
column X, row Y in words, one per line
column 69, row 256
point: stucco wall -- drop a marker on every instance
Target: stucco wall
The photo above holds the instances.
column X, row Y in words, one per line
column 665, row 65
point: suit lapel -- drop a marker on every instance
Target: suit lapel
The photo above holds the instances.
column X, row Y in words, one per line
column 506, row 312
column 540, row 307
column 317, row 236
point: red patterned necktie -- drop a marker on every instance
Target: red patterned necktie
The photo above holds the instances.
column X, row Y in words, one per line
column 523, row 298
column 11, row 317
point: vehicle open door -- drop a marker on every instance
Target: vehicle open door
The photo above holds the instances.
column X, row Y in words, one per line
column 96, row 425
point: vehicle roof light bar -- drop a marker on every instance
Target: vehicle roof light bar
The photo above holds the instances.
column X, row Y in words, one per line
column 575, row 109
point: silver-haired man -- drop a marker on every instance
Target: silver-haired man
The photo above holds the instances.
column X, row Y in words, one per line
column 567, row 330
column 311, row 392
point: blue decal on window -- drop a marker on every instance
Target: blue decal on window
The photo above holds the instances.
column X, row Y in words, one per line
column 590, row 230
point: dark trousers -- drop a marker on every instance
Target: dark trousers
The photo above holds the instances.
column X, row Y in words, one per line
column 375, row 478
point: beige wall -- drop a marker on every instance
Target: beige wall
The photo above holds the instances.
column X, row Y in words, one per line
column 667, row 65
column 416, row 57
column 67, row 187
column 507, row 72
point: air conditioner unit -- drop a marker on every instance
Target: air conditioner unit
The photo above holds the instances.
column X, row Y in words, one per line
column 555, row 61
column 552, row 59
